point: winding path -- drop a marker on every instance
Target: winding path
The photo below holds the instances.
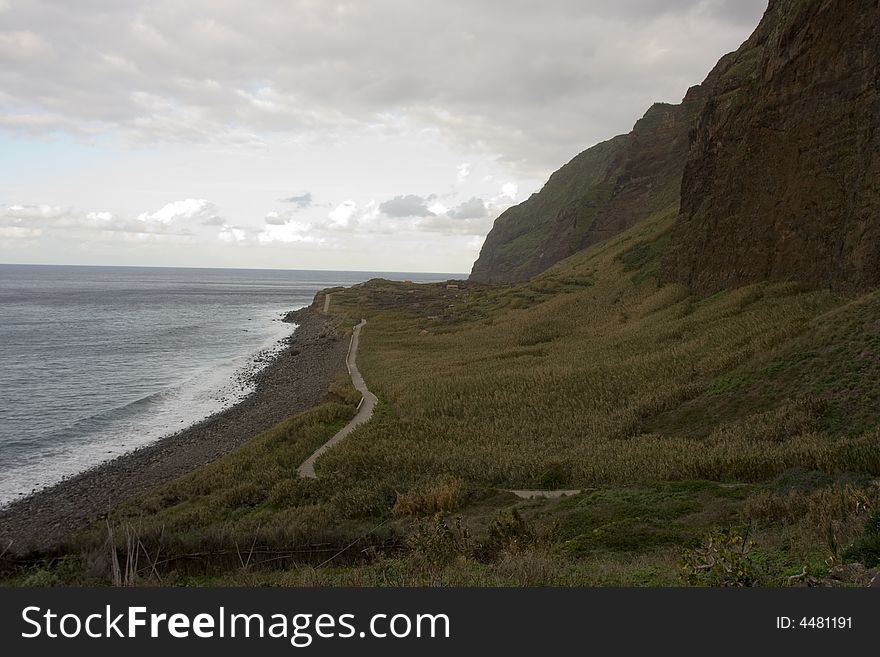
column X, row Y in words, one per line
column 543, row 494
column 365, row 408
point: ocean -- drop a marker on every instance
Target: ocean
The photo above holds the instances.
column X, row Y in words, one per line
column 98, row 361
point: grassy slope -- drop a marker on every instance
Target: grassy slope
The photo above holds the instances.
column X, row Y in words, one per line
column 592, row 377
column 755, row 409
column 521, row 232
column 568, row 384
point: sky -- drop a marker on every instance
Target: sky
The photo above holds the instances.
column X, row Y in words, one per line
column 378, row 135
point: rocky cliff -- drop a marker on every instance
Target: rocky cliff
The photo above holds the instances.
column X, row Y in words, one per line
column 777, row 154
column 782, row 181
column 601, row 192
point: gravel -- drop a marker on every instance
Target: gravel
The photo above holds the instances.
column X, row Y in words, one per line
column 295, row 381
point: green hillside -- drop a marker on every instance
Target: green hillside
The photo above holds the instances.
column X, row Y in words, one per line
column 752, row 413
column 693, row 368
column 600, row 193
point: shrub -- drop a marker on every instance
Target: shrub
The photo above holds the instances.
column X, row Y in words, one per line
column 436, row 544
column 724, row 559
column 508, row 533
column 554, row 476
column 243, row 495
column 439, row 497
column 866, row 550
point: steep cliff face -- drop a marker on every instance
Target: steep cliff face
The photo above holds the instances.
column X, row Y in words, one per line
column 601, row 192
column 775, row 160
column 782, row 181
column 531, row 236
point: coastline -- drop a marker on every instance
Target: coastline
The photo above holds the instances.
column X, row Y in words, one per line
column 293, row 382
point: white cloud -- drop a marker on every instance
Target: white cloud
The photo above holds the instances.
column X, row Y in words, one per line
column 341, row 216
column 174, row 219
column 99, row 217
column 370, row 219
column 288, row 233
column 232, row 235
column 530, row 84
column 188, row 210
column 463, row 172
column 510, row 190
column 20, row 213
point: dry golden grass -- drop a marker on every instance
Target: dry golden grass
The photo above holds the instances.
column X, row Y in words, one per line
column 590, row 376
column 569, row 384
column 428, row 500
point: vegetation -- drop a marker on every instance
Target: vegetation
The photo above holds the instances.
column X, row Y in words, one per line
column 728, row 440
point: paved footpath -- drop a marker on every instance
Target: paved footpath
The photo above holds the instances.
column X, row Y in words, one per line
column 365, row 408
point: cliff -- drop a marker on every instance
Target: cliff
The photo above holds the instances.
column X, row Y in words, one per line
column 774, row 159
column 601, row 192
column 782, row 181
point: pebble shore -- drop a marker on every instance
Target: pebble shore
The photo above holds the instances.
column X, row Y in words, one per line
column 295, row 381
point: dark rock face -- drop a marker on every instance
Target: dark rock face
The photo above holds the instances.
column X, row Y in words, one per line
column 783, row 177
column 775, row 160
column 601, row 192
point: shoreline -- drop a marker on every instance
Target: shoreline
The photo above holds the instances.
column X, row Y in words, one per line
column 296, row 380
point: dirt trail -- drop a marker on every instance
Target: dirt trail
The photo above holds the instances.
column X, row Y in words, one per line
column 327, row 302
column 365, row 408
column 546, row 494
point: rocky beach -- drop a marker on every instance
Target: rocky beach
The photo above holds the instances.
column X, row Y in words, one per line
column 296, row 380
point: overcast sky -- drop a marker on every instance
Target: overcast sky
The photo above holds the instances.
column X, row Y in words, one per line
column 310, row 134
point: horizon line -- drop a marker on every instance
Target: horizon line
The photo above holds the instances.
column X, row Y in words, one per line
column 353, row 271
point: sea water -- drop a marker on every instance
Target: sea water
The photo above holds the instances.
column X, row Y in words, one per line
column 98, row 361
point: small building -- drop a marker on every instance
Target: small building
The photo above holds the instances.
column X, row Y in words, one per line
column 452, row 286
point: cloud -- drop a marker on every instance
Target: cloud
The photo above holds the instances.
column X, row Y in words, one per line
column 463, row 172
column 21, row 213
column 406, row 206
column 342, row 215
column 20, row 232
column 289, row 233
column 106, row 217
column 189, row 210
column 530, row 85
column 301, row 201
column 276, row 218
column 232, row 234
column 23, row 46
column 180, row 218
column 475, row 208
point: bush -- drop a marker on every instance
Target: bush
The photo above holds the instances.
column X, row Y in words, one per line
column 437, row 544
column 554, row 476
column 41, row 578
column 508, row 533
column 438, row 497
column 243, row 495
column 724, row 559
column 866, row 550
